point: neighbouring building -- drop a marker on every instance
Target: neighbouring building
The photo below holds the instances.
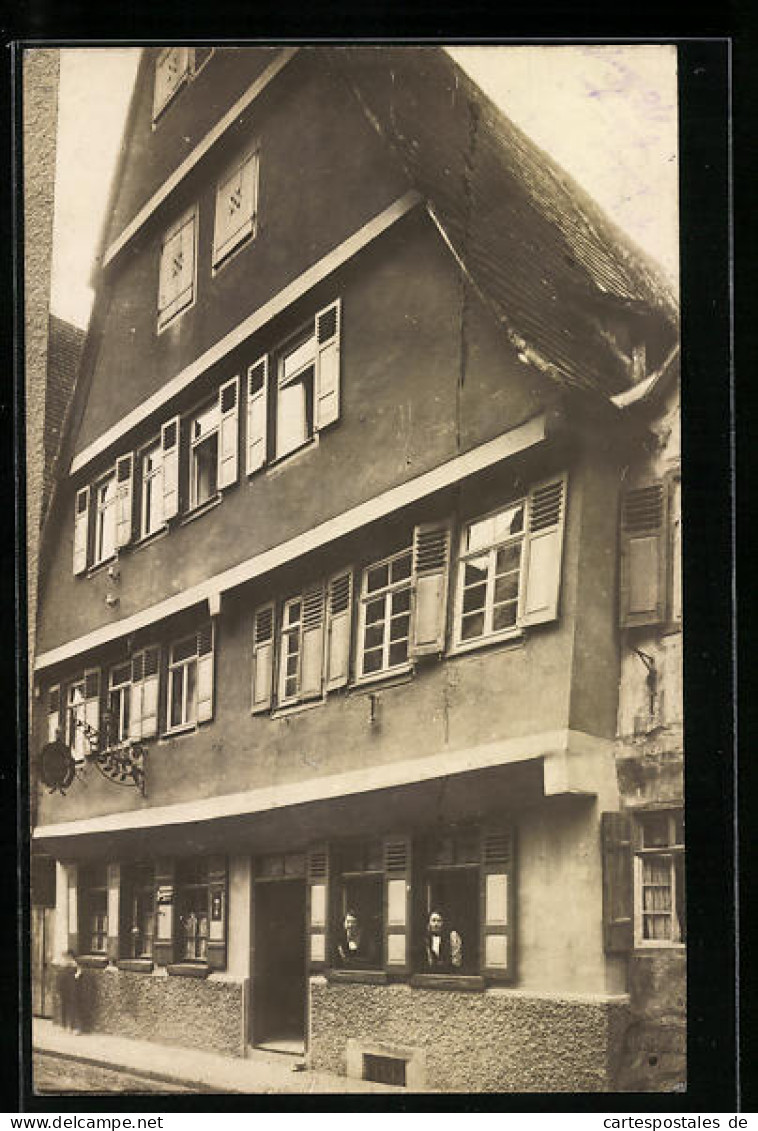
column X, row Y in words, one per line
column 348, row 589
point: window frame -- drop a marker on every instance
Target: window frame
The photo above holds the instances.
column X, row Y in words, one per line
column 137, row 880
column 342, row 904
column 155, row 479
column 278, row 357
column 489, row 635
column 223, row 251
column 93, row 922
column 124, row 692
column 209, row 408
column 186, row 299
column 387, row 671
column 100, row 512
column 282, row 677
column 671, row 852
column 184, row 664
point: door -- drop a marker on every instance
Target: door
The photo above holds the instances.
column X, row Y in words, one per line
column 278, row 1006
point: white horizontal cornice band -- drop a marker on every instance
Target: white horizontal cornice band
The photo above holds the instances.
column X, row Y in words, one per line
column 200, row 150
column 410, row 771
column 460, row 467
column 291, row 293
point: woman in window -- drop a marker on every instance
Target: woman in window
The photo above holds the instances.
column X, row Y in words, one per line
column 355, row 946
column 443, row 949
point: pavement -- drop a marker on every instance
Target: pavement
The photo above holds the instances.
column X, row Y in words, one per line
column 259, row 1072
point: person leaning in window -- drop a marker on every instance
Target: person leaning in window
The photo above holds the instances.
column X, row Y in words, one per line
column 443, row 949
column 354, row 944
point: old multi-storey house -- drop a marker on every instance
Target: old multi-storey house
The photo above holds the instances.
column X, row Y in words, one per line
column 347, row 563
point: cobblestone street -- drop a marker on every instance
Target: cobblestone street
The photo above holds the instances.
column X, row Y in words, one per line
column 59, row 1076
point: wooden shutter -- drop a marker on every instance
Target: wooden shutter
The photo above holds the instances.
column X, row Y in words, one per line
column 135, row 700
column 675, row 557
column 257, row 410
column 53, row 712
column 327, row 398
column 114, row 915
column 339, row 629
column 170, row 450
column 187, row 279
column 543, row 552
column 81, row 530
column 228, row 440
column 165, row 895
column 235, row 208
column 92, row 702
column 319, row 918
column 263, row 658
column 497, row 905
column 431, row 567
column 171, row 67
column 217, row 912
column 397, row 904
column 150, row 686
column 618, row 887
column 72, row 907
column 642, row 583
column 205, row 673
column 312, row 660
column 124, row 487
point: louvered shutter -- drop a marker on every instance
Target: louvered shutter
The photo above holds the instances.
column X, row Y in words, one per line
column 217, row 912
column 319, row 932
column 397, row 904
column 339, row 630
column 431, row 567
column 53, row 712
column 72, row 907
column 150, row 687
column 205, row 673
column 263, row 658
column 497, row 905
column 135, row 701
column 228, row 446
column 165, row 894
column 257, row 398
column 124, row 489
column 92, row 703
column 327, row 398
column 618, row 886
column 170, row 450
column 312, row 663
column 81, row 530
column 114, row 915
column 642, row 596
column 543, row 552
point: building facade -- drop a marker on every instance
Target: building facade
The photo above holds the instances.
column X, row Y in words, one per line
column 331, row 625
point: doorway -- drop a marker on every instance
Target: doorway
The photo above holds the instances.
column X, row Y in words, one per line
column 278, row 1005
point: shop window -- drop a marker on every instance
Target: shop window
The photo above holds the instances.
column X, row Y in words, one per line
column 93, row 913
column 119, row 703
column 385, row 615
column 176, row 278
column 359, row 931
column 236, row 203
column 659, row 879
column 138, row 894
column 190, row 680
column 201, row 911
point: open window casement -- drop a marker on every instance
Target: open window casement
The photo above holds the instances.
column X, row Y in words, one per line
column 312, row 662
column 81, row 530
column 53, row 712
column 170, row 452
column 263, row 658
column 618, row 881
column 143, row 713
column 327, row 383
column 124, row 495
column 235, row 207
column 205, row 656
column 543, row 552
column 228, row 444
column 318, row 916
column 643, row 565
column 257, row 411
column 431, row 569
column 498, row 905
column 339, row 629
column 397, row 904
column 171, row 69
column 217, row 912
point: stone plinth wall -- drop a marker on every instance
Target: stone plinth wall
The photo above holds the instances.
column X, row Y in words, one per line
column 197, row 1013
column 498, row 1040
column 654, row 1057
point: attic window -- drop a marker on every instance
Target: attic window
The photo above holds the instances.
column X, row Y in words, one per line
column 171, row 70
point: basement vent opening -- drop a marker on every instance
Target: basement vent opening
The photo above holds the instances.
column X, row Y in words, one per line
column 384, row 1069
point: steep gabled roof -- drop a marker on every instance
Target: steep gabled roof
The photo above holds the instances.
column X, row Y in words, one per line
column 542, row 254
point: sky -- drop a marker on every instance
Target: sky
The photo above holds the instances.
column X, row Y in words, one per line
column 606, row 113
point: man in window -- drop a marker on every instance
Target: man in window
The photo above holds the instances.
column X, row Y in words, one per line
column 355, row 946
column 443, row 949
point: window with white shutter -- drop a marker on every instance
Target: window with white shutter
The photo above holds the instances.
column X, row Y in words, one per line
column 301, row 647
column 53, row 713
column 236, row 207
column 190, row 680
column 228, row 443
column 263, row 658
column 384, row 621
column 431, row 560
column 151, row 487
column 543, row 549
column 318, row 908
column 176, row 283
column 145, row 677
column 82, row 725
column 171, row 71
column 106, row 514
column 339, row 629
column 257, row 413
column 81, row 530
column 170, row 468
column 124, row 489
column 643, row 564
column 119, row 703
column 327, row 396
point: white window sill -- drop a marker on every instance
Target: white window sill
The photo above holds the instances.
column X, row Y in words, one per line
column 510, row 639
column 159, row 113
column 650, row 946
column 201, row 509
column 275, row 465
column 148, row 539
column 177, row 732
column 391, row 677
column 286, row 709
column 98, row 567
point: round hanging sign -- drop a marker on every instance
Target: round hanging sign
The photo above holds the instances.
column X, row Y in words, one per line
column 56, row 765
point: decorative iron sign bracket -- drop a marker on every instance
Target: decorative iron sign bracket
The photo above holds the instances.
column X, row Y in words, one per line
column 123, row 763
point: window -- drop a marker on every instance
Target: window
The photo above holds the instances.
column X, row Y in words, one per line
column 489, row 574
column 201, row 911
column 119, row 703
column 138, row 893
column 53, row 713
column 360, row 911
column 236, row 202
column 451, row 890
column 650, row 547
column 176, row 287
column 204, row 456
column 83, row 714
column 190, row 680
column 151, row 509
column 106, row 497
column 93, row 922
column 302, row 647
column 385, row 615
column 659, row 879
column 294, row 403
column 143, row 708
column 172, row 68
